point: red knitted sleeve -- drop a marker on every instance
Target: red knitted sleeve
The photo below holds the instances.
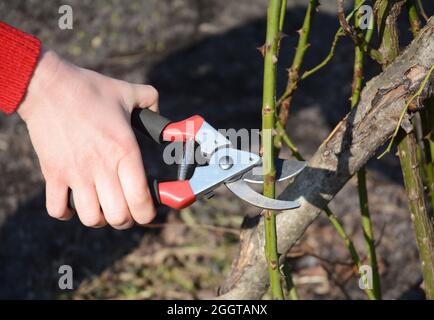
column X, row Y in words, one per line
column 19, row 53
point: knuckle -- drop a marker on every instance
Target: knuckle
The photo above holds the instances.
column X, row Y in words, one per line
column 51, row 171
column 125, row 146
column 90, row 219
column 151, row 214
column 148, row 215
column 120, row 83
column 124, row 226
column 122, row 145
column 141, row 206
column 56, row 211
column 138, row 200
column 122, row 86
column 119, row 220
column 153, row 91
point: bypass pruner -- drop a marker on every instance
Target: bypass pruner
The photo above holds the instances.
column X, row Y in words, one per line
column 224, row 163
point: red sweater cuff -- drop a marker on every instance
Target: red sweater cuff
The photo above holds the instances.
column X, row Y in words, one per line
column 19, row 53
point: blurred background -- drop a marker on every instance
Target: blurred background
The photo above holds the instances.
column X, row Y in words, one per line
column 201, row 55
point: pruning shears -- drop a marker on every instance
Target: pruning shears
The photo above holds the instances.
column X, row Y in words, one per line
column 224, row 164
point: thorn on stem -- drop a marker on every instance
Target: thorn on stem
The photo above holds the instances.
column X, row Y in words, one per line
column 261, row 49
column 270, row 180
column 264, row 49
column 267, row 214
column 282, row 35
column 267, row 109
column 261, row 151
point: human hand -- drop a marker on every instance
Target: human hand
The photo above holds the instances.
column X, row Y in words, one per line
column 79, row 125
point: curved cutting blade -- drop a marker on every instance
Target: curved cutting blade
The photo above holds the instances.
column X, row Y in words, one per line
column 244, row 192
column 285, row 169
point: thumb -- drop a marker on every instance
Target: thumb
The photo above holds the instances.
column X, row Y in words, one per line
column 145, row 96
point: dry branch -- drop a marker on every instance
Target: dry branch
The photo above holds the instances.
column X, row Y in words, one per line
column 351, row 144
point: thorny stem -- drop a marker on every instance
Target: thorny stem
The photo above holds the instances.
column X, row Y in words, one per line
column 349, row 244
column 302, row 47
column 412, row 157
column 268, row 120
column 425, row 140
column 281, row 131
column 408, row 148
column 331, row 216
column 426, row 149
column 368, row 233
column 422, row 221
column 413, row 17
column 386, row 13
column 293, row 72
column 282, row 15
column 427, row 116
column 292, row 291
column 375, row 292
column 285, row 101
column 359, row 59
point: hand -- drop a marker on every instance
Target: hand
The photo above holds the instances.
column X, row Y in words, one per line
column 79, row 125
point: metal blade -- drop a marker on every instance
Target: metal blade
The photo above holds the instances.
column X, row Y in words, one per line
column 244, row 192
column 207, row 178
column 285, row 169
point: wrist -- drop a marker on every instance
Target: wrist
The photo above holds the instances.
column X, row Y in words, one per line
column 45, row 71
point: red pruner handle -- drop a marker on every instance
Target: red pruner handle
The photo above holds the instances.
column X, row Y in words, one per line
column 175, row 194
column 161, row 129
column 183, row 130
